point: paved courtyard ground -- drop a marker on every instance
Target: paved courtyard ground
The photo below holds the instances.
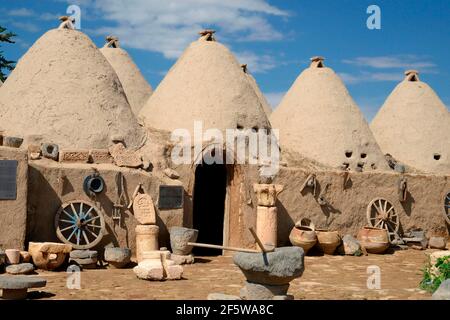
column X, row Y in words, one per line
column 325, row 277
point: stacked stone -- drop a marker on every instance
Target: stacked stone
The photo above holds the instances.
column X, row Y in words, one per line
column 269, row 274
column 86, row 259
column 266, row 213
column 153, row 264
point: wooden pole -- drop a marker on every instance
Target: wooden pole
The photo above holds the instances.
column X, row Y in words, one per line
column 258, row 241
column 213, row 246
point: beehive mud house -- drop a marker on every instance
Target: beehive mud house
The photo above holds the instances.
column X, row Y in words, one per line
column 77, row 137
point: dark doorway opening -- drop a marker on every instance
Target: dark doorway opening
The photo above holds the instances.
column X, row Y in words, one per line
column 209, row 206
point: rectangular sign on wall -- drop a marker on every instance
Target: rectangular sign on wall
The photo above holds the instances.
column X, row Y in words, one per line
column 170, row 197
column 8, row 179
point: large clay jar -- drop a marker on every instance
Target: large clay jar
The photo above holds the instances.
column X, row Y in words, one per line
column 327, row 240
column 374, row 240
column 304, row 237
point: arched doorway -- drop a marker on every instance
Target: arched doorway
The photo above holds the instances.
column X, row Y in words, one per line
column 210, row 190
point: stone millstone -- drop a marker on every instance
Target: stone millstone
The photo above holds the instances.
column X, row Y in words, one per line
column 23, row 268
column 273, row 268
column 21, row 282
column 118, row 257
column 83, row 254
column 87, row 263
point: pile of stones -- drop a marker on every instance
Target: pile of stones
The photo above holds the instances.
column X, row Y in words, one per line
column 85, row 259
column 158, row 266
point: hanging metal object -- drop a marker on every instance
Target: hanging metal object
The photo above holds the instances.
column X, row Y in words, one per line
column 93, row 184
column 310, row 182
column 402, row 189
column 120, row 203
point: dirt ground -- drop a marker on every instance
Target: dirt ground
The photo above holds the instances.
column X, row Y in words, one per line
column 325, row 277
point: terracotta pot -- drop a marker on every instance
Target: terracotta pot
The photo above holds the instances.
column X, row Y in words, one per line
column 375, row 240
column 328, row 240
column 304, row 237
column 12, row 256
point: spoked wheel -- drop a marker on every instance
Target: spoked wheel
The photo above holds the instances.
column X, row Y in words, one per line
column 80, row 224
column 447, row 207
column 381, row 214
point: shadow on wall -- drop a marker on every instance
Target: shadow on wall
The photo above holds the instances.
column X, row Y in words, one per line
column 285, row 225
column 40, row 223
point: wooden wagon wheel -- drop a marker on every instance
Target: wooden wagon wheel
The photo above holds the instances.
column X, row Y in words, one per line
column 447, row 207
column 381, row 214
column 80, row 224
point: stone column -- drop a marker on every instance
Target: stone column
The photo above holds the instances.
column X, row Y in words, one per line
column 146, row 239
column 266, row 212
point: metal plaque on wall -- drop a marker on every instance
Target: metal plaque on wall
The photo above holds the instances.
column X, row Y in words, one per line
column 170, row 197
column 8, row 179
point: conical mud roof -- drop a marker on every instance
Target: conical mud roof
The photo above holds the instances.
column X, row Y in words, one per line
column 136, row 87
column 205, row 84
column 64, row 90
column 318, row 119
column 413, row 126
column 265, row 104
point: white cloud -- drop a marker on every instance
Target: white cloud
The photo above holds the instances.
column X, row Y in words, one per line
column 256, row 63
column 47, row 16
column 22, row 12
column 409, row 61
column 371, row 77
column 26, row 26
column 169, row 26
column 274, row 98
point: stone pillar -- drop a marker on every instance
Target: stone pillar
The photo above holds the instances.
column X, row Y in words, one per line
column 266, row 212
column 146, row 240
column 267, row 225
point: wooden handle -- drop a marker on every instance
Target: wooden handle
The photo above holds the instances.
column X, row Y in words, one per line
column 213, row 246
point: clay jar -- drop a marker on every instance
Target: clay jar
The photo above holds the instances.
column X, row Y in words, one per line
column 327, row 240
column 374, row 240
column 303, row 236
column 12, row 256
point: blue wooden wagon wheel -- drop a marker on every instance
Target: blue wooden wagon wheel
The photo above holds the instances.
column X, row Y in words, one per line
column 80, row 224
column 447, row 207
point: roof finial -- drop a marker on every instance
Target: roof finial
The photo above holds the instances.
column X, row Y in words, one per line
column 412, row 75
column 66, row 22
column 317, row 62
column 207, row 35
column 244, row 68
column 112, row 42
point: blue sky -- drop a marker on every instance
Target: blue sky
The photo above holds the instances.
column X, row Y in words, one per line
column 275, row 38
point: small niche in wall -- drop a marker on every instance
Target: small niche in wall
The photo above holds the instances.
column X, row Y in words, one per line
column 348, row 153
column 363, row 155
column 437, row 156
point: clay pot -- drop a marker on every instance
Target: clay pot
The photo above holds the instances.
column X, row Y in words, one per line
column 327, row 240
column 303, row 237
column 12, row 256
column 375, row 240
